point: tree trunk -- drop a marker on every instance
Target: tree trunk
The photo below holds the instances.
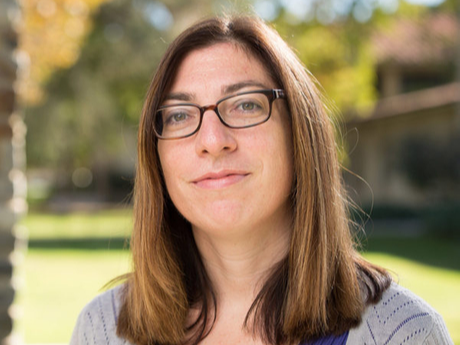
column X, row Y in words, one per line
column 12, row 162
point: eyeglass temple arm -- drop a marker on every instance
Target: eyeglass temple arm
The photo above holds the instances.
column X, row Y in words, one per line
column 279, row 93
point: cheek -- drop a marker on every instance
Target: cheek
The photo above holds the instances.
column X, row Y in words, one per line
column 275, row 154
column 283, row 167
column 171, row 158
column 281, row 151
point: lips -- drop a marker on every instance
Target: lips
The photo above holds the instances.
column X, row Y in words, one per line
column 221, row 179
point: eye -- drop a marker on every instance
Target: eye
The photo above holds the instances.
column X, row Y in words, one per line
column 177, row 117
column 248, row 106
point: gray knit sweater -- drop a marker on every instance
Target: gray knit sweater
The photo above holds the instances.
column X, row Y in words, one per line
column 400, row 318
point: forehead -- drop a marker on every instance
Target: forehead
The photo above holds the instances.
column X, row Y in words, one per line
column 220, row 64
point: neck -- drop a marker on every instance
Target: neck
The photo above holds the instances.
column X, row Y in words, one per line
column 239, row 264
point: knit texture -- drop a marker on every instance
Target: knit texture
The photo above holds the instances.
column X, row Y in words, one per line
column 400, row 318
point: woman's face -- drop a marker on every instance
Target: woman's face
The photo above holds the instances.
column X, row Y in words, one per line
column 226, row 180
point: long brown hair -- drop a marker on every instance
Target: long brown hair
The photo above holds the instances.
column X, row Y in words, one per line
column 321, row 287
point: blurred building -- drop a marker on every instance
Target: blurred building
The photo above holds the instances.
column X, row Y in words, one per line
column 407, row 149
column 12, row 161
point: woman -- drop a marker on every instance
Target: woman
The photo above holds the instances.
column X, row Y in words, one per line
column 241, row 234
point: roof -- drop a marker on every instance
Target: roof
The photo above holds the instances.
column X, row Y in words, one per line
column 414, row 101
column 412, row 42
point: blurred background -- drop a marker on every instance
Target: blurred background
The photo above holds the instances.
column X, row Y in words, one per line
column 73, row 75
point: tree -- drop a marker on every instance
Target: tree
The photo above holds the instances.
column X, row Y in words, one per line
column 51, row 34
column 91, row 103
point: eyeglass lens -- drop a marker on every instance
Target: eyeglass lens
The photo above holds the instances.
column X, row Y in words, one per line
column 239, row 111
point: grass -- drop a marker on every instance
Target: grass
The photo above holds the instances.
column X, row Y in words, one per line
column 58, row 283
column 104, row 224
column 71, row 257
column 69, row 260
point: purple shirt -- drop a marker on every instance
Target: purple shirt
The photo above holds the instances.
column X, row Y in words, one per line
column 329, row 340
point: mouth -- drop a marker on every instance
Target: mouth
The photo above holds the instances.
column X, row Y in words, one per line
column 220, row 179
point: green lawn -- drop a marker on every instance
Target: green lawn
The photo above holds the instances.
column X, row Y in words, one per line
column 71, row 258
column 58, row 283
column 103, row 224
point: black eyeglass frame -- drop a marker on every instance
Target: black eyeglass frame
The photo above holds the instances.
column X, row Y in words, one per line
column 271, row 94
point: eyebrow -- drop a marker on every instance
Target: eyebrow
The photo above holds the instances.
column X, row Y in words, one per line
column 180, row 96
column 233, row 88
column 226, row 90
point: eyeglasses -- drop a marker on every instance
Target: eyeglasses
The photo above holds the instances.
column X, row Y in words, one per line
column 243, row 110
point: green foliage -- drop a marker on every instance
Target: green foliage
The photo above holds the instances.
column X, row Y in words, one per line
column 443, row 220
column 95, row 103
column 340, row 58
column 451, row 6
column 437, row 219
column 431, row 163
column 391, row 211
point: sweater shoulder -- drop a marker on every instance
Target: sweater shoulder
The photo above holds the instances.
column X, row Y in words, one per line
column 400, row 318
column 97, row 322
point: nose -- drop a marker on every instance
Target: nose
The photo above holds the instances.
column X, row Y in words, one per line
column 214, row 137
